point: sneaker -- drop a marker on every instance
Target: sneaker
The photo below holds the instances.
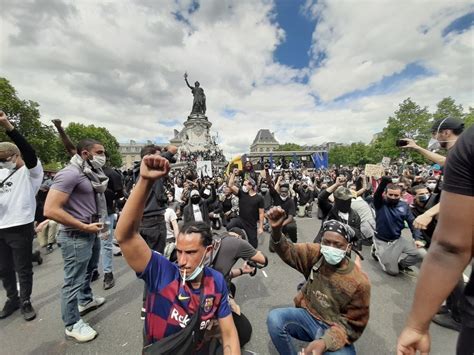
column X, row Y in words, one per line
column 109, row 281
column 407, row 271
column 36, row 256
column 92, row 305
column 95, row 275
column 49, row 249
column 11, row 305
column 143, row 314
column 446, row 320
column 28, row 311
column 80, row 332
column 374, row 253
column 116, row 250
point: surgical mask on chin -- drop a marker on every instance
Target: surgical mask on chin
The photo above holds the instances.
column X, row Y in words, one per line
column 434, row 144
column 245, row 189
column 196, row 271
column 8, row 165
column 431, row 186
column 332, row 255
column 98, row 161
column 283, row 198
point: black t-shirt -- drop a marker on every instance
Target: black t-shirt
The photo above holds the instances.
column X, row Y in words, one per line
column 288, row 205
column 114, row 188
column 459, row 171
column 227, row 204
column 249, row 206
column 459, row 179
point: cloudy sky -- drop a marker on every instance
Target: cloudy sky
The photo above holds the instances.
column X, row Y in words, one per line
column 311, row 71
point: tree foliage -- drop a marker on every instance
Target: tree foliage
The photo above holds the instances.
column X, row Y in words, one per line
column 78, row 131
column 25, row 117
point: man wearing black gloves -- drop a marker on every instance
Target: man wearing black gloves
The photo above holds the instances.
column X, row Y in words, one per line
column 390, row 217
column 21, row 175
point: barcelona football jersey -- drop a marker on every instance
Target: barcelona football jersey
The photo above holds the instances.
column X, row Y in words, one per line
column 170, row 304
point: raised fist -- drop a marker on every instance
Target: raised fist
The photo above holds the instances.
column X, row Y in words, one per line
column 153, row 167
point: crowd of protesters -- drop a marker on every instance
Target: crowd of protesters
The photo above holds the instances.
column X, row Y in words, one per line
column 173, row 225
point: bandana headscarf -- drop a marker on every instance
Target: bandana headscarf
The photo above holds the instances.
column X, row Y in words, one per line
column 343, row 229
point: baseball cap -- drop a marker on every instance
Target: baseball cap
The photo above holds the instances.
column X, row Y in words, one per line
column 343, row 193
column 447, row 123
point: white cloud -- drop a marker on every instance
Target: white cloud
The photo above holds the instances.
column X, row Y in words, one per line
column 120, row 65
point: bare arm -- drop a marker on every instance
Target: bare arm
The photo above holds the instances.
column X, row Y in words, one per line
column 68, row 144
column 230, row 339
column 174, row 223
column 261, row 219
column 448, row 256
column 235, row 189
column 133, row 246
column 434, row 157
column 53, row 209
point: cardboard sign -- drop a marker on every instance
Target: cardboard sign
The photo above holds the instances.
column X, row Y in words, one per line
column 374, row 170
column 204, row 168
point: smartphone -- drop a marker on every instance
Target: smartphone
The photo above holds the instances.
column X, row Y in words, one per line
column 401, row 143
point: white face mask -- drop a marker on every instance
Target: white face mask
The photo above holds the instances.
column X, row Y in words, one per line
column 431, row 186
column 8, row 165
column 435, row 144
column 98, row 161
column 245, row 189
column 283, row 198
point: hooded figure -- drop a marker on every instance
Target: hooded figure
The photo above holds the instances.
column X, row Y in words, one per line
column 197, row 208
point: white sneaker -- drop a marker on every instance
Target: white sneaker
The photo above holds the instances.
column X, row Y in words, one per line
column 81, row 332
column 92, row 305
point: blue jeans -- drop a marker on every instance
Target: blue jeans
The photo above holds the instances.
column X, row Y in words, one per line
column 80, row 251
column 284, row 323
column 106, row 247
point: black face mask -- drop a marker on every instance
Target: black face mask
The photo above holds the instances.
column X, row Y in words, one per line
column 343, row 206
column 392, row 201
column 195, row 199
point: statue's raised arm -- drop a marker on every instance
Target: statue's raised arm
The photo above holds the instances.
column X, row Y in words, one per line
column 186, row 80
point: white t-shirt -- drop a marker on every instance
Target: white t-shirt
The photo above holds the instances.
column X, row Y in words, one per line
column 170, row 216
column 197, row 213
column 17, row 197
column 178, row 192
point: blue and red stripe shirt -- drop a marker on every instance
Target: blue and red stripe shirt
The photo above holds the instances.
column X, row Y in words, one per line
column 170, row 305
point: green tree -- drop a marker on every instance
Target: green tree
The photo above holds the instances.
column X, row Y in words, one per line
column 355, row 154
column 26, row 118
column 78, row 131
column 469, row 118
column 447, row 108
column 410, row 120
column 288, row 147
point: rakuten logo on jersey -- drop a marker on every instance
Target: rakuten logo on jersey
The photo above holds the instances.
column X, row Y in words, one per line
column 182, row 320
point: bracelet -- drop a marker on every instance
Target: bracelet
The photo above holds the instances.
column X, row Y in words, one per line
column 241, row 271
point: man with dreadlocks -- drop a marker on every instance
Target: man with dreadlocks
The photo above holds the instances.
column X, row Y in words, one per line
column 332, row 308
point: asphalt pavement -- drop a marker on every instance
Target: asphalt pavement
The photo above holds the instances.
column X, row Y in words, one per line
column 120, row 328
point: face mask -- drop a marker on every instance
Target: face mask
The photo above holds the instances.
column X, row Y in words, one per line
column 170, row 199
column 196, row 271
column 8, row 165
column 98, row 161
column 332, row 255
column 343, row 206
column 264, row 189
column 195, row 199
column 245, row 189
column 392, row 201
column 431, row 186
column 283, row 198
column 424, row 198
column 434, row 144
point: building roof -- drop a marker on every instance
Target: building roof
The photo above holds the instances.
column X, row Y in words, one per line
column 265, row 136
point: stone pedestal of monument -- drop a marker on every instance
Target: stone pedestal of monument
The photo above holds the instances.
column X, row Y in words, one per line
column 195, row 135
